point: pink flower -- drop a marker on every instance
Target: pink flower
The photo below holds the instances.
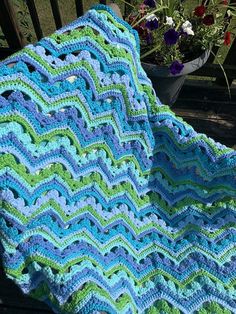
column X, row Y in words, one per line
column 208, row 19
column 227, row 38
column 200, row 10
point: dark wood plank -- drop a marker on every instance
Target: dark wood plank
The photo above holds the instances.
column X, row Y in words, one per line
column 204, row 95
column 56, row 13
column 221, row 128
column 209, row 110
column 214, row 70
column 229, row 62
column 79, row 7
column 205, row 105
column 35, row 18
column 209, row 128
column 9, row 25
column 5, row 52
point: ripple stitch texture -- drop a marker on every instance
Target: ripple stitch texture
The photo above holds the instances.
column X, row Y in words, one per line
column 108, row 201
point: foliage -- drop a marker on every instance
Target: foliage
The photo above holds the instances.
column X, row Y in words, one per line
column 2, row 40
column 172, row 33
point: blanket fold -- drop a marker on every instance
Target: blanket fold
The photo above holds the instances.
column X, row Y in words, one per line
column 108, row 201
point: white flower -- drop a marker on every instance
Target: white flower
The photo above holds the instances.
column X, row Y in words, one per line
column 187, row 24
column 151, row 17
column 169, row 21
column 189, row 31
column 187, row 28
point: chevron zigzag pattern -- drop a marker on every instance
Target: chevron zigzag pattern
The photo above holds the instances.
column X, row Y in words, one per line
column 109, row 202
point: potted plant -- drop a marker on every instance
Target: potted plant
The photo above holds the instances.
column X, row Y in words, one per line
column 176, row 39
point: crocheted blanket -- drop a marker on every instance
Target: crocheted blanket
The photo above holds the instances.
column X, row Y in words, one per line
column 109, row 202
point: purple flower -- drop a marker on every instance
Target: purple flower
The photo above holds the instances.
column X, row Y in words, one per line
column 149, row 38
column 150, row 3
column 152, row 24
column 176, row 67
column 171, row 36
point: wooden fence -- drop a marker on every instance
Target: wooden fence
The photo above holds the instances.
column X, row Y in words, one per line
column 15, row 40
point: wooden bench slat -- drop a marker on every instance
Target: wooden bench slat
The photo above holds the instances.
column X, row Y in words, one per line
column 35, row 18
column 56, row 13
column 214, row 70
column 203, row 95
column 9, row 25
column 79, row 7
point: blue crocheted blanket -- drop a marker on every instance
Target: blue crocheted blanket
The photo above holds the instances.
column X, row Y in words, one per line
column 109, row 202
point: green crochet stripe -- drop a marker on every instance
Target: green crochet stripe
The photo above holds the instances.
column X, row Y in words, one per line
column 26, row 88
column 163, row 307
column 194, row 277
column 8, row 160
column 115, row 242
column 80, row 296
column 58, row 170
column 96, row 179
column 160, row 307
column 36, row 139
column 51, row 204
column 96, row 121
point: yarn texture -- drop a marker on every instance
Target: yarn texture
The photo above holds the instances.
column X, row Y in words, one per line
column 108, row 201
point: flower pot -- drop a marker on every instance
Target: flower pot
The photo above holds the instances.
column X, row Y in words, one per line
column 167, row 85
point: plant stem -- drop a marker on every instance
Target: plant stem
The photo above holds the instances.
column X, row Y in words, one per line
column 225, row 75
column 150, row 13
column 128, row 3
column 150, row 51
column 178, row 26
column 135, row 19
